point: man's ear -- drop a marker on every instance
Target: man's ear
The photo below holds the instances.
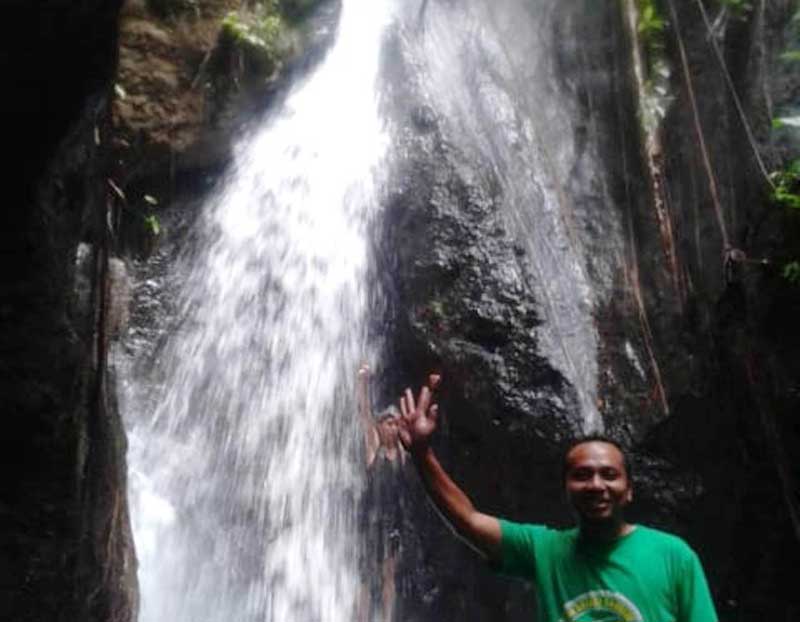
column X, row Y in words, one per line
column 629, row 494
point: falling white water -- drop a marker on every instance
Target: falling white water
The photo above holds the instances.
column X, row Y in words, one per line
column 243, row 477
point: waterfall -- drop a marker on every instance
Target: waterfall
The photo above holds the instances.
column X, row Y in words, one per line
column 243, row 458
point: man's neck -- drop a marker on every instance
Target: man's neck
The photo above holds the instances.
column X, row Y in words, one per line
column 604, row 531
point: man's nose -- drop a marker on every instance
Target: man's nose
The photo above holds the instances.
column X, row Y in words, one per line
column 595, row 482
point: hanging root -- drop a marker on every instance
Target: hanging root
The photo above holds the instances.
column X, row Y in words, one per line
column 654, row 162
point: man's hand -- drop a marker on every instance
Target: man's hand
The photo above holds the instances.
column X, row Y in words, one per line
column 362, row 391
column 418, row 420
column 371, row 439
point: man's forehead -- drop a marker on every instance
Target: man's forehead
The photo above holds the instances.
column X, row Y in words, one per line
column 595, row 453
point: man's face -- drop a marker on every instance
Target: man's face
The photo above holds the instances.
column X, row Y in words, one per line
column 596, row 482
column 388, row 432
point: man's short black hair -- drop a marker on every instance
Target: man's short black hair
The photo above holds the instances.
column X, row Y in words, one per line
column 390, row 412
column 594, row 437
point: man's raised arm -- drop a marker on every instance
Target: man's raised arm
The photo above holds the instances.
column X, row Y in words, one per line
column 418, row 424
column 371, row 439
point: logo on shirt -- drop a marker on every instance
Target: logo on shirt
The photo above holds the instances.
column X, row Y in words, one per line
column 601, row 606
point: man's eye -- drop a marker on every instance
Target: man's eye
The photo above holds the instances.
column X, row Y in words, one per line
column 610, row 474
column 581, row 474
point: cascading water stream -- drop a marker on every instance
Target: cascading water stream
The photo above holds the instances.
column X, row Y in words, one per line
column 244, row 481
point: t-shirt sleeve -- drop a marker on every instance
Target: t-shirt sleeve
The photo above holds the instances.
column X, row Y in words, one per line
column 694, row 597
column 518, row 548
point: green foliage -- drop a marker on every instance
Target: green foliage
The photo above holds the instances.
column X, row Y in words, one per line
column 260, row 38
column 786, row 196
column 652, row 28
column 651, row 25
column 152, row 224
column 253, row 44
column 786, row 192
column 255, row 40
column 792, row 56
column 791, row 272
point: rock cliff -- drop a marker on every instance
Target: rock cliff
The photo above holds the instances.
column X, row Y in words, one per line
column 564, row 262
column 67, row 551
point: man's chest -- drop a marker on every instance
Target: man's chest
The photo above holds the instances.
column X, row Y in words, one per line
column 636, row 587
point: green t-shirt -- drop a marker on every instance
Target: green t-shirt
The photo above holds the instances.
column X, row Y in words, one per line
column 645, row 576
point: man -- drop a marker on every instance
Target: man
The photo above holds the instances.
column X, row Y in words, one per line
column 606, row 569
column 382, row 508
column 381, row 438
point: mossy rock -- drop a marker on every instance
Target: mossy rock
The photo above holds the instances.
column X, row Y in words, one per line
column 254, row 46
column 259, row 42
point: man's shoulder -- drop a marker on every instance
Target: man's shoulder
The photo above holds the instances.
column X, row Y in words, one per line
column 660, row 535
column 526, row 548
column 538, row 528
column 664, row 541
column 535, row 531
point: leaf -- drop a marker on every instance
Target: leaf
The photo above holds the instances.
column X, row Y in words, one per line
column 151, row 222
column 787, row 121
column 784, row 197
column 150, row 199
column 791, row 272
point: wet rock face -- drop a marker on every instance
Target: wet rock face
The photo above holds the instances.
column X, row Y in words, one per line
column 463, row 291
column 466, row 283
column 63, row 517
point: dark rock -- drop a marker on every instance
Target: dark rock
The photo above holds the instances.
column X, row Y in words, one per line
column 67, row 551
